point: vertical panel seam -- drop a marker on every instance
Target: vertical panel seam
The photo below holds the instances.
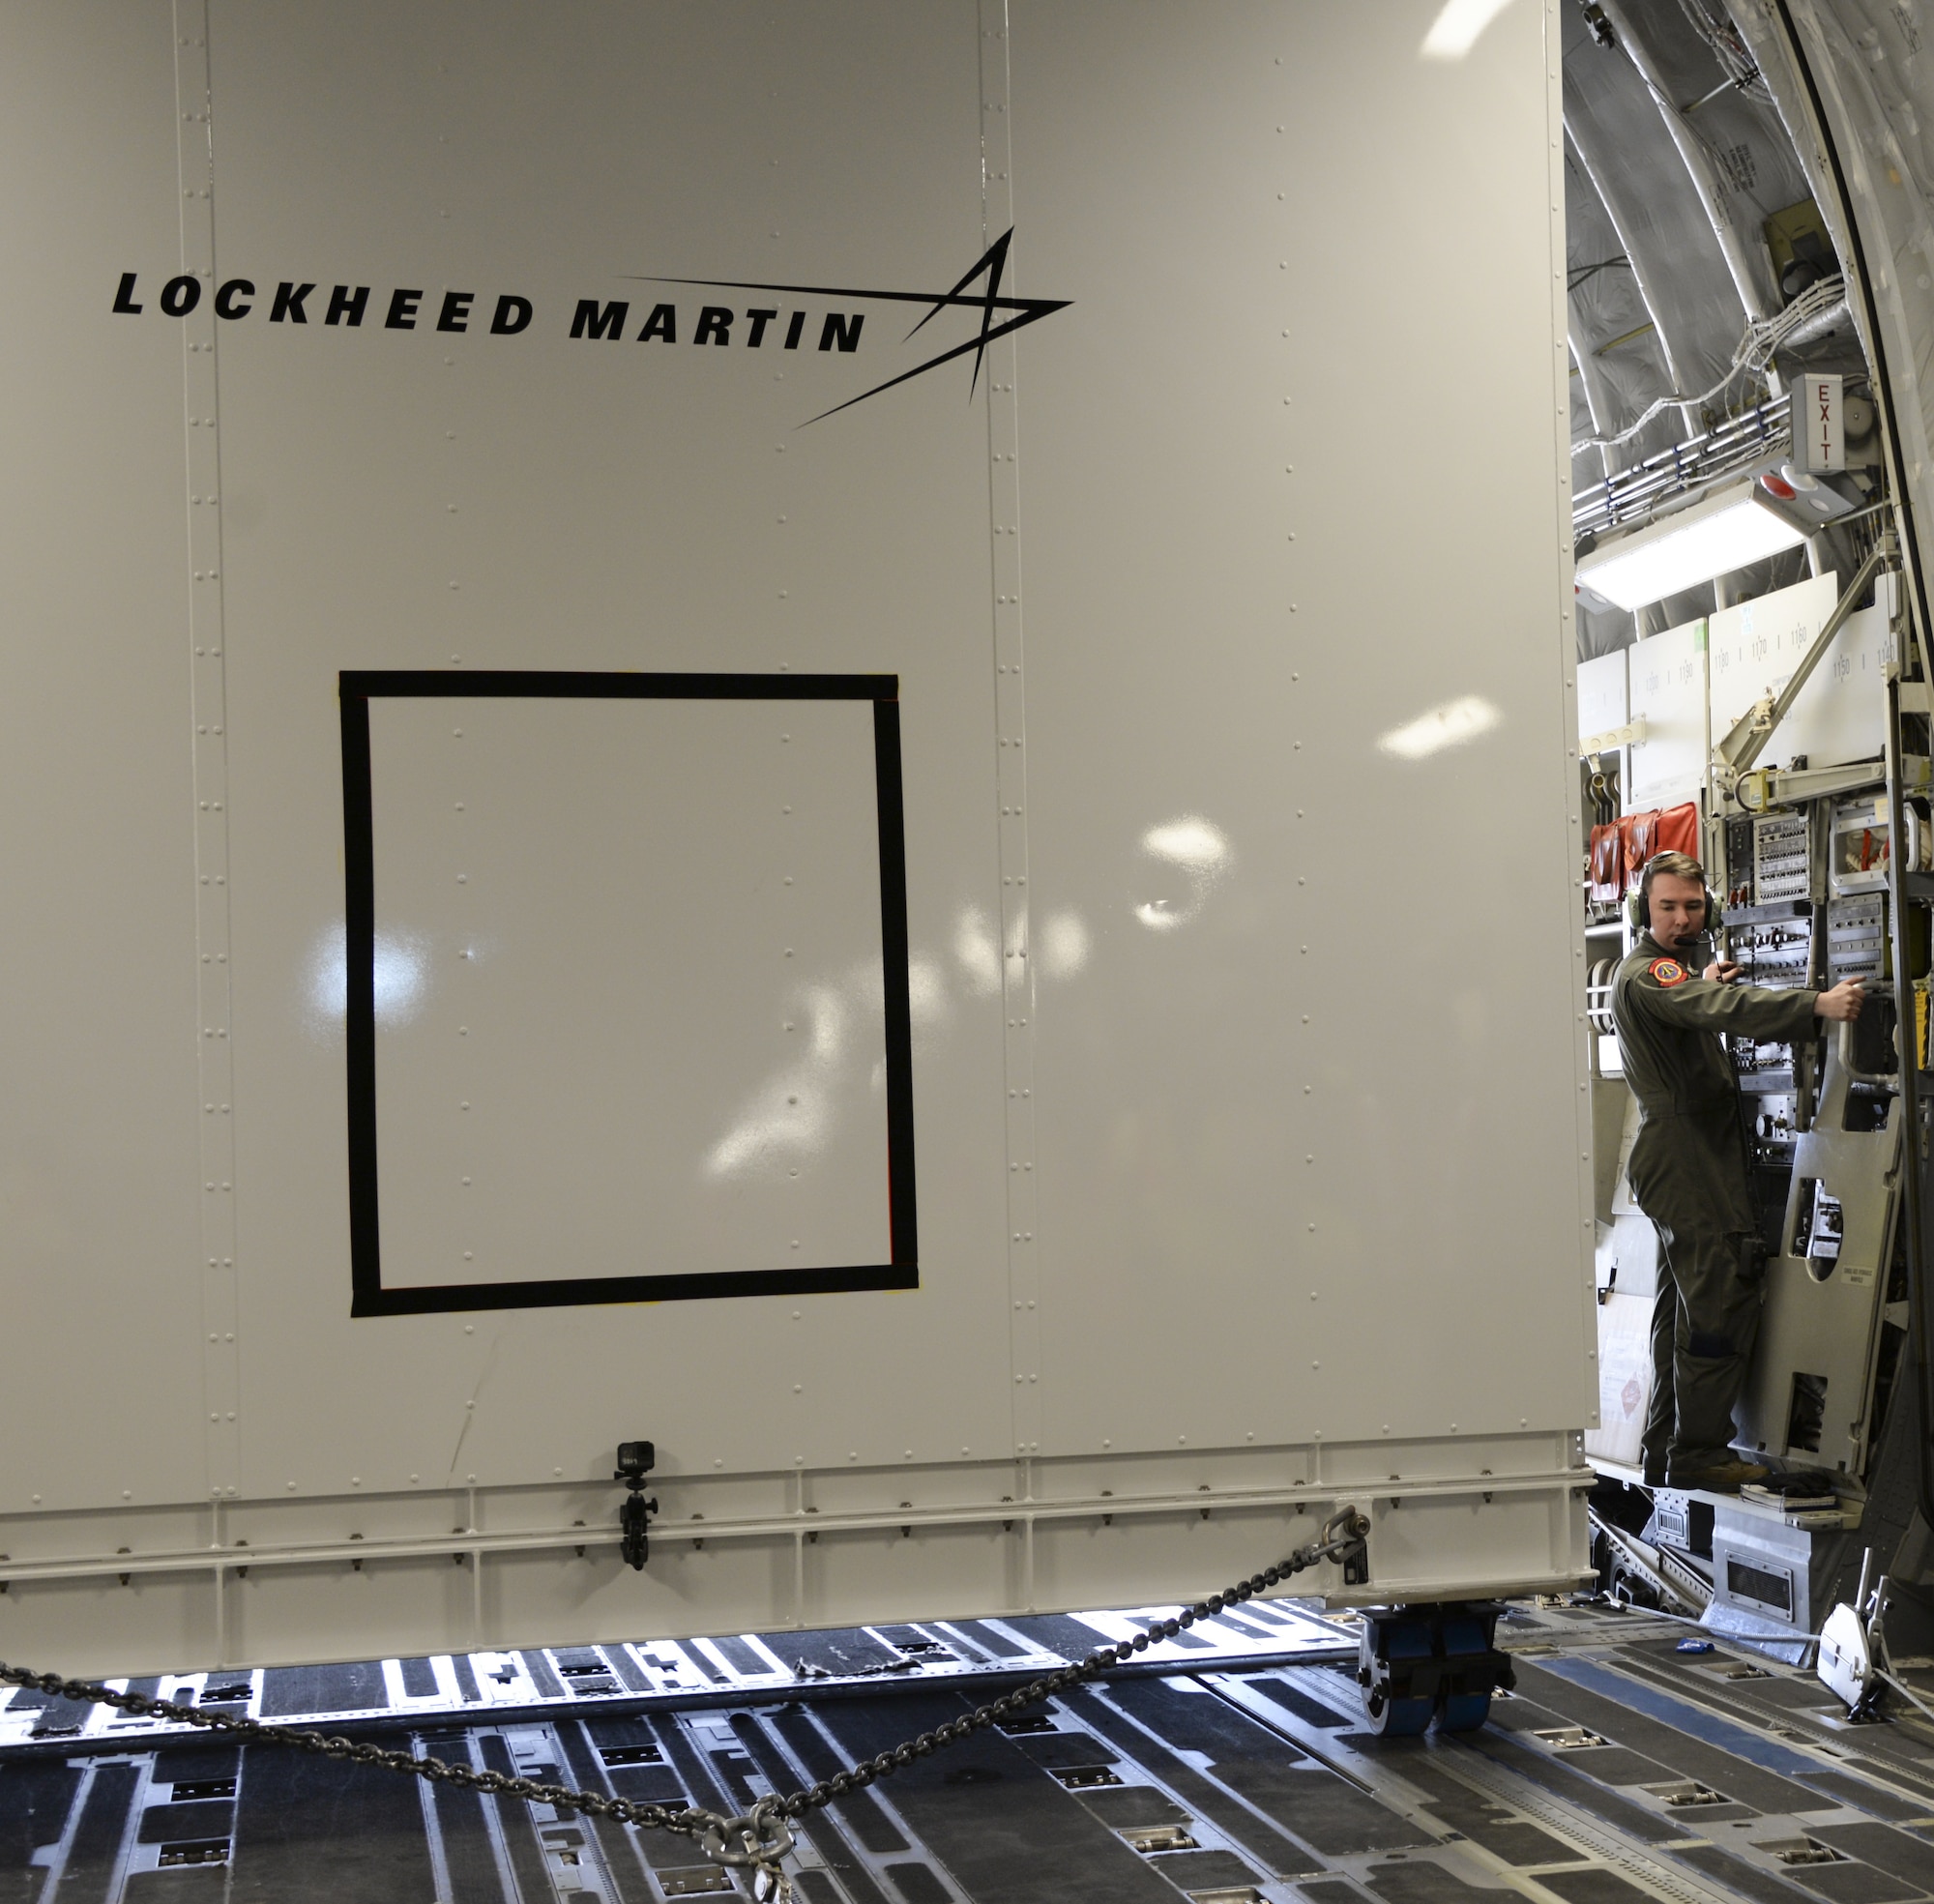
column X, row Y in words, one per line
column 1586, row 1233
column 206, row 664
column 1016, row 981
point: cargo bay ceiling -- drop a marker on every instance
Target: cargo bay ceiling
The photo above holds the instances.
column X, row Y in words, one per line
column 1747, row 194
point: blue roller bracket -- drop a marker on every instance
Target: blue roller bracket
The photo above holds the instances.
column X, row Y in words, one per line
column 1415, row 1663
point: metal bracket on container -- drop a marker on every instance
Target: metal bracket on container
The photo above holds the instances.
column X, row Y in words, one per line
column 1634, row 734
column 635, row 1460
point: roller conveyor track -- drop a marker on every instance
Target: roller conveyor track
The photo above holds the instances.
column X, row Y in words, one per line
column 1244, row 1769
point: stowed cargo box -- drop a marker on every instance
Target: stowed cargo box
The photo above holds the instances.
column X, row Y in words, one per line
column 704, row 727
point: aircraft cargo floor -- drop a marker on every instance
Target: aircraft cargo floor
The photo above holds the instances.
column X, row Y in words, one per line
column 1236, row 1769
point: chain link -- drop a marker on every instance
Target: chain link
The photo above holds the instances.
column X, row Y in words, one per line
column 757, row 1841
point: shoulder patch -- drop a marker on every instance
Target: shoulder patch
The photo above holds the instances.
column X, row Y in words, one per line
column 1668, row 971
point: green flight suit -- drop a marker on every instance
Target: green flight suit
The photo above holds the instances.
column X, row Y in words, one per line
column 1689, row 1174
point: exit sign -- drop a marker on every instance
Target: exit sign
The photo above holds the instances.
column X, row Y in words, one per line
column 1819, row 424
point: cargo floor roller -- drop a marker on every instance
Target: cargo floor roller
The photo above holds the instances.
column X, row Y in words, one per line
column 1420, row 1663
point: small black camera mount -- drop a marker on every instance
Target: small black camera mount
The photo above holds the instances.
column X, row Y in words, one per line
column 635, row 1460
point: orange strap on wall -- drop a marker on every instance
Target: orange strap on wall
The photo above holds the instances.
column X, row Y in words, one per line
column 1679, row 830
column 1640, row 833
column 1605, row 875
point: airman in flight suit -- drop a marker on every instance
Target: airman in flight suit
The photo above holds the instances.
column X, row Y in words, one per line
column 1688, row 1167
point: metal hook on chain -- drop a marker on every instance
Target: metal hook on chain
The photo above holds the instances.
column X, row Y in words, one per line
column 1343, row 1529
column 755, row 1843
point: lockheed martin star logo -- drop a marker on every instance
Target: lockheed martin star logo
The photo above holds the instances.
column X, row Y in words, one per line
column 987, row 301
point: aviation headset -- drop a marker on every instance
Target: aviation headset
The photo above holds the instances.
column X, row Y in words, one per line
column 1638, row 902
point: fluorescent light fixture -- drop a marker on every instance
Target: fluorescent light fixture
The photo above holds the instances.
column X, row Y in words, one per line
column 1437, row 728
column 1457, row 28
column 1714, row 537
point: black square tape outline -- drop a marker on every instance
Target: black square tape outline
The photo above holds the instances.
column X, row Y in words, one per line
column 358, row 688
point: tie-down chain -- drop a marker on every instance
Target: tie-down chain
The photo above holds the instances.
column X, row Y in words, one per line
column 760, row 1839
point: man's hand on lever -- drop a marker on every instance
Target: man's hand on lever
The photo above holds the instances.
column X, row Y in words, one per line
column 1723, row 970
column 1843, row 1002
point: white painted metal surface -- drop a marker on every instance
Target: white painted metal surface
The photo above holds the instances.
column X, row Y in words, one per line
column 1625, row 1376
column 1821, row 1326
column 1846, row 1664
column 1839, row 715
column 1190, row 1264
column 1603, row 700
column 1753, row 648
column 1668, row 689
column 631, row 1020
column 1627, row 1278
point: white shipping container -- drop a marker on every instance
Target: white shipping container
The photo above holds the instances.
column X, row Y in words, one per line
column 732, row 725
